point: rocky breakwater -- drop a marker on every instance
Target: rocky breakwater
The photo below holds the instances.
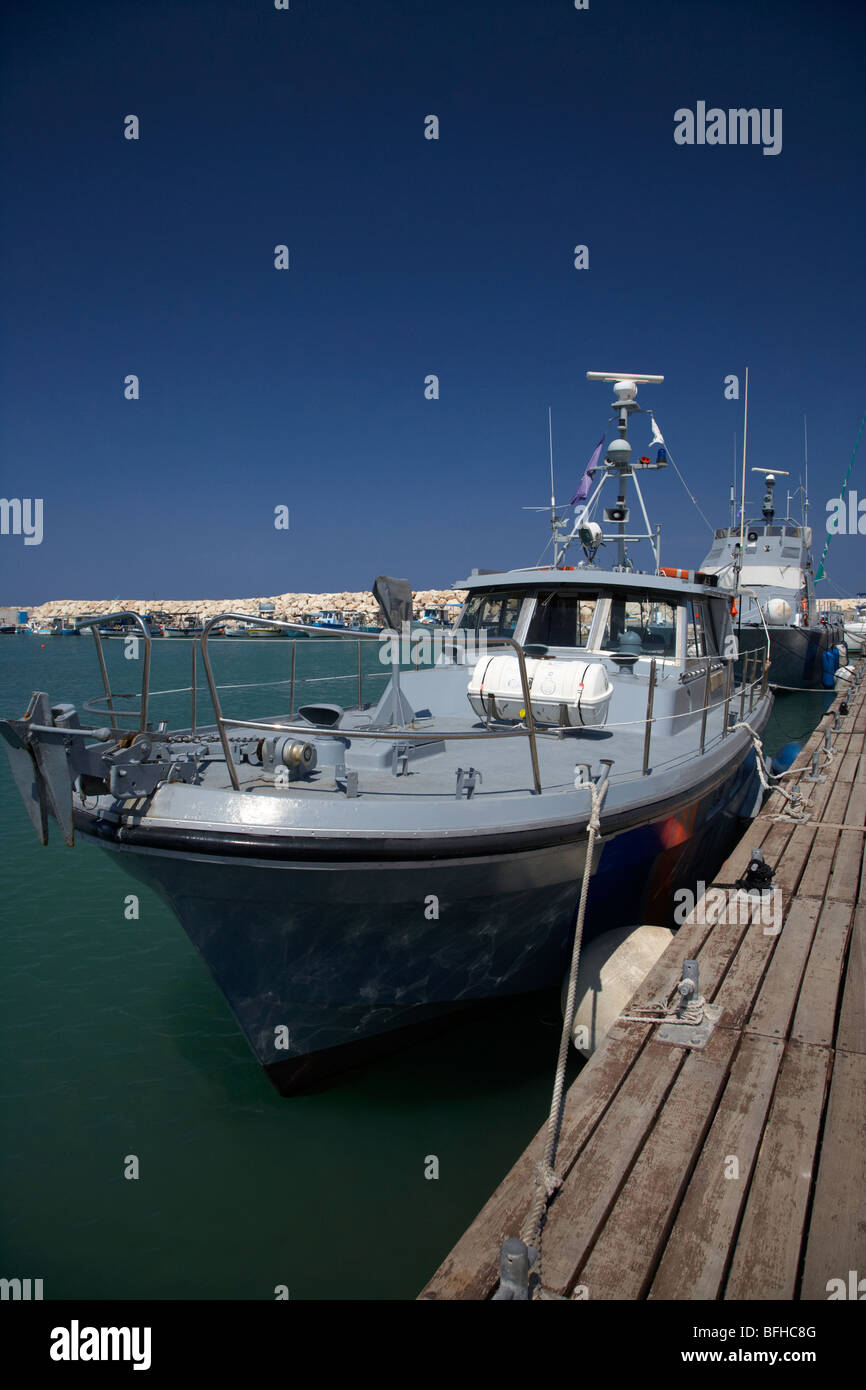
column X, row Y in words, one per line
column 285, row 606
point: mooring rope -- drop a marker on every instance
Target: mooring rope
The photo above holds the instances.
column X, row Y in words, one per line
column 547, row 1180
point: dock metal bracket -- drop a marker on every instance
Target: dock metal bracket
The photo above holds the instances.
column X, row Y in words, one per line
column 693, row 1019
column 796, row 811
column 466, row 781
column 758, row 876
column 515, row 1261
column 815, row 775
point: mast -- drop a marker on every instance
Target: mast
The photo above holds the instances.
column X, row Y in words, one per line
column 769, row 507
column 745, row 434
column 553, row 525
column 618, row 462
column 804, row 500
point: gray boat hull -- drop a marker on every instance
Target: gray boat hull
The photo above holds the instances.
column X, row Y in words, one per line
column 335, row 959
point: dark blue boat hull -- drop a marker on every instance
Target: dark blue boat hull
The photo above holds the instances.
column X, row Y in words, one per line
column 795, row 653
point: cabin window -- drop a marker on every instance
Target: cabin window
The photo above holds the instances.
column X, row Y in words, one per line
column 700, row 636
column 642, row 624
column 562, row 619
column 495, row 614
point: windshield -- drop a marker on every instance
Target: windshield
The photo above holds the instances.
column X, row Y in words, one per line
column 496, row 613
column 642, row 624
column 562, row 619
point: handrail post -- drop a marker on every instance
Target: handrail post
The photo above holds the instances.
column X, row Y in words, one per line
column 360, row 691
column 752, row 686
column 105, row 681
column 527, row 705
column 706, row 708
column 729, row 683
column 145, row 675
column 192, row 689
column 765, row 677
column 292, row 684
column 745, row 680
column 648, row 718
column 227, row 752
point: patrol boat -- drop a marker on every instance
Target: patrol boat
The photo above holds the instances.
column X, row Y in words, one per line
column 769, row 564
column 350, row 873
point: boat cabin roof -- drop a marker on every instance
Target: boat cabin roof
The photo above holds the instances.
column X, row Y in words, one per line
column 586, row 577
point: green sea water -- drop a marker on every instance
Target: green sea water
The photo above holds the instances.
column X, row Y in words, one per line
column 116, row 1043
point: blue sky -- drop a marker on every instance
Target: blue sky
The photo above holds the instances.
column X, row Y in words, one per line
column 409, row 256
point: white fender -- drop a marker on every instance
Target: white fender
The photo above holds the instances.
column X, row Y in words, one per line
column 612, row 966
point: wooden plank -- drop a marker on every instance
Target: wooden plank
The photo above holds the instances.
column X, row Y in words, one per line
column 767, row 1252
column 774, row 1007
column 819, row 992
column 819, row 865
column 471, row 1270
column 581, row 1206
column 855, row 845
column 851, row 760
column 623, row 1260
column 856, row 812
column 851, row 1036
column 836, row 1242
column 747, row 966
column 789, row 869
column 696, row 1256
column 845, row 878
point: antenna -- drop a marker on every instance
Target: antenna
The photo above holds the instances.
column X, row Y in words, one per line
column 552, row 488
column 550, row 434
column 745, row 437
column 555, row 524
column 805, row 496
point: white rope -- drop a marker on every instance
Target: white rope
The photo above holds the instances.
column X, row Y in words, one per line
column 547, row 1180
column 691, row 1013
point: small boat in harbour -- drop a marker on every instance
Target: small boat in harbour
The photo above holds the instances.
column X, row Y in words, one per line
column 330, row 622
column 350, row 872
column 855, row 630
column 185, row 625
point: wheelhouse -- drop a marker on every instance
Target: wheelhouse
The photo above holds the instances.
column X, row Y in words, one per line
column 640, row 616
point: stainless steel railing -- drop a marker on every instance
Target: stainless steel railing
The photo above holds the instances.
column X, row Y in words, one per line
column 750, row 683
column 404, row 735
column 748, row 686
column 141, row 713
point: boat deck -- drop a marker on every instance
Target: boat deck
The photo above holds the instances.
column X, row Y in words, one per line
column 736, row 1171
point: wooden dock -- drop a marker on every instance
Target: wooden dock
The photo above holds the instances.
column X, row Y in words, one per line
column 737, row 1171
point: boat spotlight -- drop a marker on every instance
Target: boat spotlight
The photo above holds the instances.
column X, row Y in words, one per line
column 590, row 535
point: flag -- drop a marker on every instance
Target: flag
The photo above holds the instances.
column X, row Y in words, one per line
column 585, row 482
column 658, row 437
